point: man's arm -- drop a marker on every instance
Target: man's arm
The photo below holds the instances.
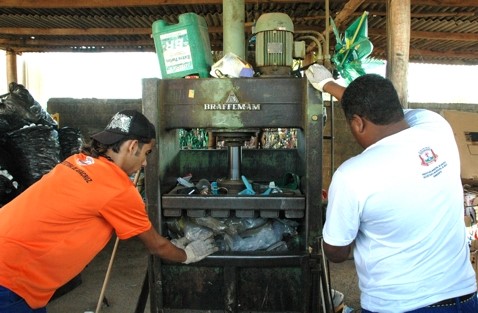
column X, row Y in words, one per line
column 321, row 79
column 337, row 254
column 162, row 247
column 334, row 89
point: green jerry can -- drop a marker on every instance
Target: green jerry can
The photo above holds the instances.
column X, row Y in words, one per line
column 183, row 49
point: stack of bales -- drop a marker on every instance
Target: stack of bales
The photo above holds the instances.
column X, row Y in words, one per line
column 30, row 142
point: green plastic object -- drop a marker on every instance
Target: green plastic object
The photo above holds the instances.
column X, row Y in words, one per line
column 352, row 50
column 183, row 49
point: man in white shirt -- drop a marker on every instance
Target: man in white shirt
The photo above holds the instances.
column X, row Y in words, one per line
column 398, row 204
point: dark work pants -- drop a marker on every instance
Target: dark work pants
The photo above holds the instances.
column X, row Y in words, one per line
column 10, row 302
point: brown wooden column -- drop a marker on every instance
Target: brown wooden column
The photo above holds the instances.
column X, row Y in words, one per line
column 398, row 46
column 11, row 61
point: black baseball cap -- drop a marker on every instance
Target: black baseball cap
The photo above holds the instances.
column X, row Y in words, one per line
column 126, row 123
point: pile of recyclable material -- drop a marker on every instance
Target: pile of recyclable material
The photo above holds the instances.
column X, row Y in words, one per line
column 30, row 142
column 18, row 109
column 71, row 141
column 36, row 149
column 238, row 234
column 8, row 186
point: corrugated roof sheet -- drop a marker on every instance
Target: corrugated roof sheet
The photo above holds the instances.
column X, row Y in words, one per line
column 439, row 33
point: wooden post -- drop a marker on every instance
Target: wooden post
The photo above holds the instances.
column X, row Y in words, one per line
column 398, row 46
column 11, row 60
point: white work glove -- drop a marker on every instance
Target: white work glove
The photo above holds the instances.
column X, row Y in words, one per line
column 180, row 242
column 318, row 76
column 199, row 249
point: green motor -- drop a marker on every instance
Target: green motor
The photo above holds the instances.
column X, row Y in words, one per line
column 274, row 43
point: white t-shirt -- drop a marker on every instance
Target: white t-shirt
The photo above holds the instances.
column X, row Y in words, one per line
column 401, row 200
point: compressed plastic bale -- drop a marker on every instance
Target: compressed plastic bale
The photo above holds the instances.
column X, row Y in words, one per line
column 18, row 108
column 36, row 149
column 70, row 140
column 258, row 239
column 9, row 187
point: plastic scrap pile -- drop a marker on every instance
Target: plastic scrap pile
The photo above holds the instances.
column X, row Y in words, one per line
column 238, row 234
column 234, row 233
column 30, row 142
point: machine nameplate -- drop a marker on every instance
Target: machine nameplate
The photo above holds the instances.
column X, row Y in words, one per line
column 232, row 106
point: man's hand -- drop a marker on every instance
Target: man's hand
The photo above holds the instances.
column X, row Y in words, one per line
column 180, row 242
column 199, row 249
column 318, row 76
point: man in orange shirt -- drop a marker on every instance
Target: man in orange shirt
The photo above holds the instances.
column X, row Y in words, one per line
column 50, row 232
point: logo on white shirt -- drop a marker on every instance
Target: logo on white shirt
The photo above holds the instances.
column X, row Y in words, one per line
column 427, row 156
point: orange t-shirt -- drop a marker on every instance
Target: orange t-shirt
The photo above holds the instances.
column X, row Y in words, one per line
column 51, row 231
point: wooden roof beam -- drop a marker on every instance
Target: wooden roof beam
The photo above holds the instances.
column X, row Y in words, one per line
column 20, row 50
column 57, row 4
column 31, row 31
column 414, row 53
column 346, row 14
column 441, row 3
column 448, row 55
column 52, row 4
column 72, row 43
column 468, row 37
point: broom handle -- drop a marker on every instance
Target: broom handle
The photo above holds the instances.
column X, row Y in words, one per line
column 108, row 271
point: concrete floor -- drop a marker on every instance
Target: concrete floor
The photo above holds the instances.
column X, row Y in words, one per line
column 124, row 285
column 343, row 278
column 127, row 274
